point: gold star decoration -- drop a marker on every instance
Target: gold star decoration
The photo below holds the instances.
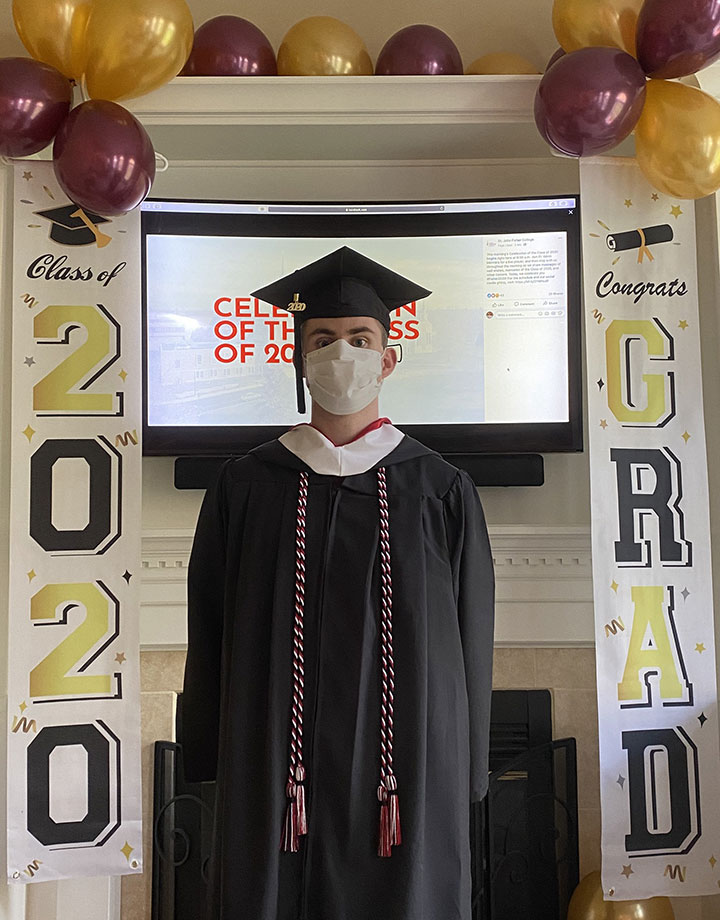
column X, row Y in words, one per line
column 31, row 574
column 628, row 203
column 683, row 324
column 614, row 586
column 655, row 196
column 23, row 706
column 603, row 423
column 627, row 871
column 123, row 375
column 676, row 210
column 699, row 647
column 27, row 176
column 685, row 436
column 29, row 432
column 127, row 850
column 120, row 657
column 712, row 862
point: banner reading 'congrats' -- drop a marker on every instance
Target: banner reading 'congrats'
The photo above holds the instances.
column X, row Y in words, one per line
column 74, row 804
column 657, row 698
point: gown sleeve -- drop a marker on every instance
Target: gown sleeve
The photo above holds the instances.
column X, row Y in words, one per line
column 200, row 720
column 474, row 583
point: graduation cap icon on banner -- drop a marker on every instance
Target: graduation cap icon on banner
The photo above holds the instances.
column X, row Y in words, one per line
column 72, row 226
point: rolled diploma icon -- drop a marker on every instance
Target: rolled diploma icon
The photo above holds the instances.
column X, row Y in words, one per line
column 634, row 239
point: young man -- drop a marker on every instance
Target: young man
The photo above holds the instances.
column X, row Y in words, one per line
column 339, row 663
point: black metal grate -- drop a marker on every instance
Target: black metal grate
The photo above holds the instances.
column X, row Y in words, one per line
column 182, row 836
column 525, row 837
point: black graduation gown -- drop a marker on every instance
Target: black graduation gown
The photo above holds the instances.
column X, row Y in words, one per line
column 238, row 686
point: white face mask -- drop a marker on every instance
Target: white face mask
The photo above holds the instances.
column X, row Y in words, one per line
column 343, row 379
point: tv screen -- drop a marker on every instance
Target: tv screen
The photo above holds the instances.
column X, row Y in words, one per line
column 489, row 362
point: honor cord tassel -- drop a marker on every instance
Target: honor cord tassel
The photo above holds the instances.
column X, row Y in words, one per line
column 295, row 815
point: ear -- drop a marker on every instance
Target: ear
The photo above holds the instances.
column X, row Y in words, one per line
column 389, row 361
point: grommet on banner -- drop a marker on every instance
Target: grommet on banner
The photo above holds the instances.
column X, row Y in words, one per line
column 163, row 161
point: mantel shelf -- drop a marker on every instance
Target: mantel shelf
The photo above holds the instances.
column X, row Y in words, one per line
column 340, row 100
column 206, row 119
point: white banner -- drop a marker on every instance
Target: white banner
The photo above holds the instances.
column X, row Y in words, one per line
column 74, row 804
column 657, row 695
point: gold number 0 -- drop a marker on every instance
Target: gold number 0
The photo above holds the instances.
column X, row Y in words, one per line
column 50, row 677
column 52, row 393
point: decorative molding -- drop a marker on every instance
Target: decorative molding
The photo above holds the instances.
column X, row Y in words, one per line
column 543, row 587
column 520, row 550
column 500, row 163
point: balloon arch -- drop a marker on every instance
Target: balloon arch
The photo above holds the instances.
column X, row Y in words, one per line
column 613, row 75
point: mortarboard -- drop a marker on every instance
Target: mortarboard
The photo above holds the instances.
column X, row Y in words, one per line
column 74, row 226
column 342, row 283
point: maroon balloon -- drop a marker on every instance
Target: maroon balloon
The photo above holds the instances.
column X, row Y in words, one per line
column 560, row 52
column 228, row 46
column 103, row 158
column 419, row 49
column 589, row 100
column 34, row 100
column 677, row 37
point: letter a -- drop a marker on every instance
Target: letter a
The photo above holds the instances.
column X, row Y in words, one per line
column 653, row 650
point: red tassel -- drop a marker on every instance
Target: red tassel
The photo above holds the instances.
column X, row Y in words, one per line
column 301, row 814
column 296, row 814
column 395, row 830
column 289, row 841
column 384, row 846
column 390, row 831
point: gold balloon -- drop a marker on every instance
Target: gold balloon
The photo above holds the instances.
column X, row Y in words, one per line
column 323, row 46
column 584, row 23
column 587, row 904
column 677, row 140
column 134, row 46
column 53, row 31
column 502, row 62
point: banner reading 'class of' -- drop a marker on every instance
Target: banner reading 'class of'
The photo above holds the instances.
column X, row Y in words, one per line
column 657, row 694
column 74, row 805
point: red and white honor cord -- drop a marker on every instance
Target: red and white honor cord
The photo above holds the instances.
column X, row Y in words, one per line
column 390, row 832
column 296, row 813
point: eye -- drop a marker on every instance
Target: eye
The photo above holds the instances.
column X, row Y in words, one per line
column 360, row 342
column 321, row 343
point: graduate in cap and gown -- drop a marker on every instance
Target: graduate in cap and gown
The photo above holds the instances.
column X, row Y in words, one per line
column 340, row 635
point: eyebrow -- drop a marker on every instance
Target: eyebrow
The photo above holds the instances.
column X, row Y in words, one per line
column 356, row 331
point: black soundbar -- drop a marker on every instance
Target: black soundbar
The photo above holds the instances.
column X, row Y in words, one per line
column 484, row 469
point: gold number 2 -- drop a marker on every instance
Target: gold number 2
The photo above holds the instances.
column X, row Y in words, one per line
column 50, row 678
column 62, row 390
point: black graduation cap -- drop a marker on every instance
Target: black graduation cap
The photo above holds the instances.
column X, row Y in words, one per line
column 342, row 283
column 69, row 228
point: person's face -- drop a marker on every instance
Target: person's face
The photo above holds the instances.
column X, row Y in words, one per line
column 358, row 331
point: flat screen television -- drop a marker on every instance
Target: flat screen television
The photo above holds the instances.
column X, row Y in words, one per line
column 490, row 361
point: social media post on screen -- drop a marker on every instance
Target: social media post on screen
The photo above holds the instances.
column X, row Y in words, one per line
column 485, row 346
